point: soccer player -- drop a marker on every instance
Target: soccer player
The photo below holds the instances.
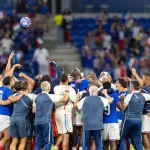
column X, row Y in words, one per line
column 111, row 127
column 145, row 85
column 76, row 76
column 77, row 118
column 132, row 120
column 5, row 111
column 105, row 76
column 20, row 114
column 63, row 113
column 42, row 107
column 122, row 91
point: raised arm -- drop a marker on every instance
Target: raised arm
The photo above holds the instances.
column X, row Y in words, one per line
column 107, row 96
column 30, row 80
column 8, row 66
column 56, row 68
column 137, row 77
column 11, row 72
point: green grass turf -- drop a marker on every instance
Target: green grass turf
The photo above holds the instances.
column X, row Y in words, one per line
column 131, row 147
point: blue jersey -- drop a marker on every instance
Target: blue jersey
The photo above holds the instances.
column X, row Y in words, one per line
column 110, row 113
column 120, row 113
column 73, row 85
column 5, row 92
column 146, row 89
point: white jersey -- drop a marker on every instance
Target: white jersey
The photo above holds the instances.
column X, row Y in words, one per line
column 64, row 108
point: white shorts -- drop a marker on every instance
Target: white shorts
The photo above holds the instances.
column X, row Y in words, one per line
column 145, row 124
column 120, row 123
column 4, row 122
column 64, row 123
column 111, row 132
column 77, row 117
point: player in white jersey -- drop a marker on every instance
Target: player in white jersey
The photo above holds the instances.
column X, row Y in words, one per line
column 63, row 113
column 77, row 117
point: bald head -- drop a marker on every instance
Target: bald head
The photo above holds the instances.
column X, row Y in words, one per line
column 45, row 86
column 93, row 90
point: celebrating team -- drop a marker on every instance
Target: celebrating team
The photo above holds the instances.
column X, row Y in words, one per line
column 73, row 111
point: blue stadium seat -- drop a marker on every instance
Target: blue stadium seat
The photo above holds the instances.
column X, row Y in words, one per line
column 84, row 32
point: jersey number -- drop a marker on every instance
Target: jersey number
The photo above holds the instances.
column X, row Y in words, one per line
column 107, row 110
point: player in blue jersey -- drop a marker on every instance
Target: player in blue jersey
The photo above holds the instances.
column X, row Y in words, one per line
column 5, row 111
column 111, row 126
column 75, row 76
column 122, row 91
column 145, row 88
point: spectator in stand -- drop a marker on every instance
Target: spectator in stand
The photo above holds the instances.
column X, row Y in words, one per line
column 58, row 20
column 106, row 41
column 68, row 19
column 41, row 55
column 6, row 43
column 38, row 31
column 32, row 6
column 89, row 40
column 135, row 30
column 103, row 18
column 87, row 61
column 45, row 11
column 121, row 42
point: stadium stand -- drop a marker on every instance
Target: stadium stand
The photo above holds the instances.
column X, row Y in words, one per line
column 123, row 45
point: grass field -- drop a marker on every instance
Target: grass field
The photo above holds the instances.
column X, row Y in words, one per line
column 131, row 147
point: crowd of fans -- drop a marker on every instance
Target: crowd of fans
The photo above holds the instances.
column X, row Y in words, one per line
column 116, row 46
column 23, row 41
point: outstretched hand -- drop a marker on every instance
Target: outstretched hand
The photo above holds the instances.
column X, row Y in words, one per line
column 11, row 55
column 17, row 65
column 133, row 71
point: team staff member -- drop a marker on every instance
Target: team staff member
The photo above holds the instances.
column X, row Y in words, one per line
column 42, row 107
column 145, row 85
column 92, row 109
column 132, row 120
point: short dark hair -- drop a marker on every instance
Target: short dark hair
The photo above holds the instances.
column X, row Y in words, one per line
column 123, row 82
column 37, row 83
column 135, row 84
column 24, row 85
column 147, row 74
column 7, row 80
column 46, row 78
column 17, row 85
column 106, row 85
column 64, row 77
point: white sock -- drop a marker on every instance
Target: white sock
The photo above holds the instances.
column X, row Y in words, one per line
column 73, row 148
column 80, row 148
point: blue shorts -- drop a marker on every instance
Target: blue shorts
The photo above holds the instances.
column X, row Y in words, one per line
column 20, row 127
